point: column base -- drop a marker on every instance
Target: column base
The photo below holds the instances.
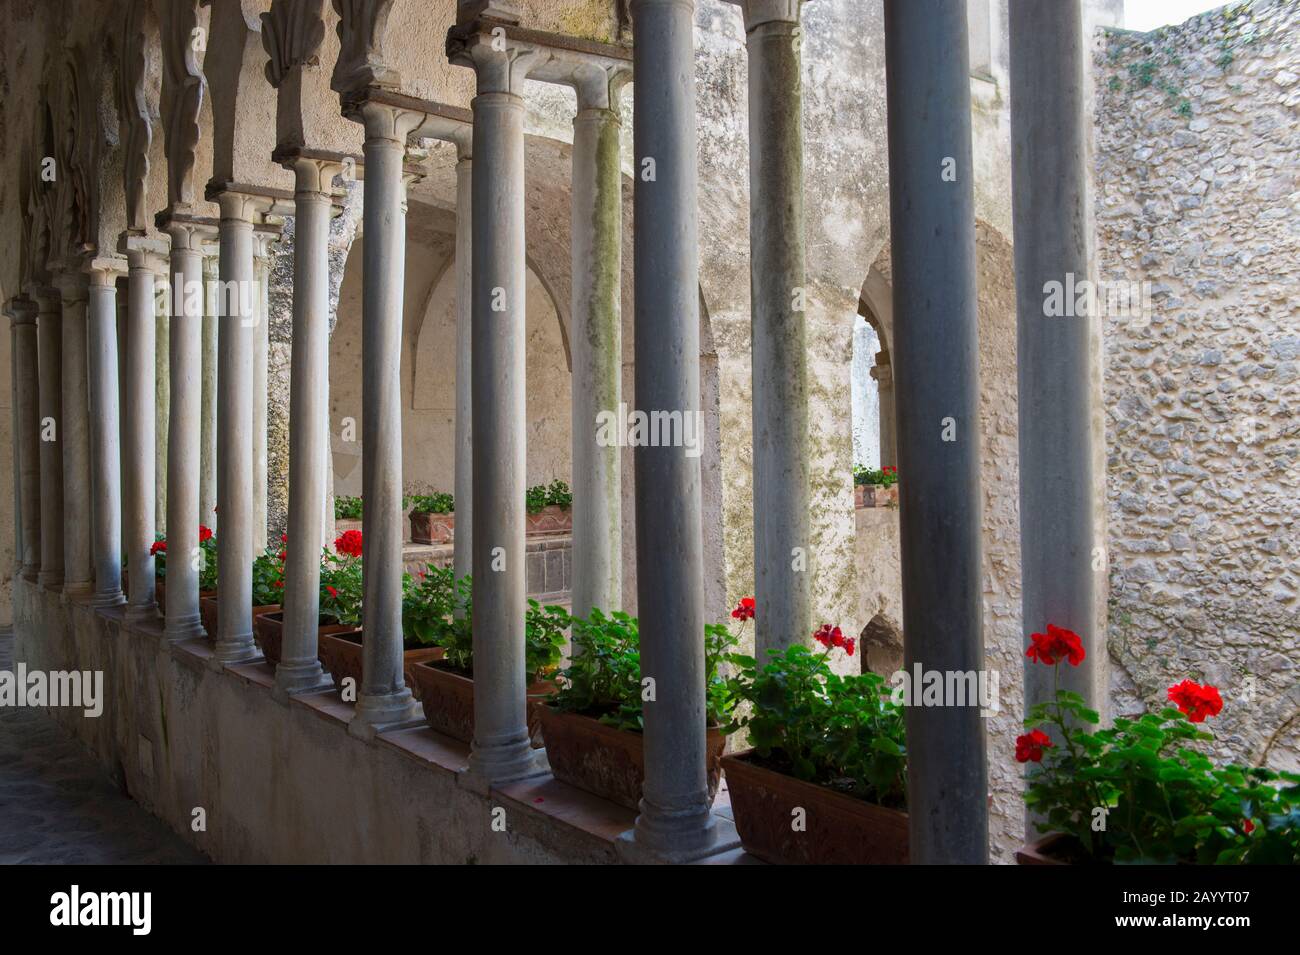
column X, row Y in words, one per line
column 493, row 765
column 78, row 590
column 380, row 714
column 232, row 650
column 108, row 599
column 187, row 627
column 299, row 679
column 50, row 579
column 32, row 574
column 137, row 614
column 679, row 835
column 635, row 852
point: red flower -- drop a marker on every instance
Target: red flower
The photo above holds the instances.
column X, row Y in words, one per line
column 1196, row 701
column 829, row 636
column 284, row 538
column 333, row 592
column 279, row 584
column 284, row 554
column 1055, row 645
column 1029, row 748
column 848, row 645
column 158, row 547
column 205, row 533
column 745, row 609
column 349, row 542
column 1247, row 826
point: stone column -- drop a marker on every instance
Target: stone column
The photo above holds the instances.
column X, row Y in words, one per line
column 139, row 431
column 936, row 351
column 883, row 372
column 78, row 568
column 208, row 406
column 50, row 337
column 383, row 697
column 1054, row 355
column 675, row 821
column 27, row 379
column 778, row 326
column 463, row 492
column 299, row 670
column 235, row 315
column 501, row 749
column 262, row 242
column 185, row 367
column 162, row 394
column 105, row 449
column 597, row 344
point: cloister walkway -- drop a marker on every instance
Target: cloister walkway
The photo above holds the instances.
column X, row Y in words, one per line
column 59, row 805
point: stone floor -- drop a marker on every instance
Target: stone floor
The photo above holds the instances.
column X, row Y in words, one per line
column 57, row 804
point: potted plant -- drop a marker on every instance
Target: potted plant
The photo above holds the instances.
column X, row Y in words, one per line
column 875, row 487
column 1142, row 791
column 826, row 779
column 549, row 508
column 445, row 688
column 268, row 586
column 592, row 726
column 347, row 513
column 433, row 520
column 206, row 555
column 334, row 601
column 342, row 595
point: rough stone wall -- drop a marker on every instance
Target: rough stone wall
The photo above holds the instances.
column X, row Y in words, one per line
column 1197, row 193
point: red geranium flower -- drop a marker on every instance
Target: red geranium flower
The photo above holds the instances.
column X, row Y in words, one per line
column 1196, row 701
column 829, row 636
column 1029, row 748
column 205, row 533
column 745, row 609
column 158, row 547
column 333, row 592
column 1055, row 645
column 349, row 542
column 1247, row 826
column 284, row 538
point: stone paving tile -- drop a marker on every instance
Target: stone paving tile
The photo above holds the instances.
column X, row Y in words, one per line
column 58, row 805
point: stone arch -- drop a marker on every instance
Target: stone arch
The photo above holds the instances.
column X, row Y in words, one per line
column 881, row 645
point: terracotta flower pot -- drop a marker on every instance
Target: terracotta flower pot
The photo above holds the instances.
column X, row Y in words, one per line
column 341, row 655
column 1043, row 851
column 208, row 613
column 609, row 762
column 269, row 628
column 432, row 528
column 840, row 830
column 160, row 596
column 447, row 696
column 859, row 492
column 552, row 519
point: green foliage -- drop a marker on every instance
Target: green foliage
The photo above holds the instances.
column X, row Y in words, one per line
column 603, row 679
column 1159, row 798
column 543, row 631
column 877, row 477
column 1141, row 74
column 540, row 495
column 268, row 578
column 428, row 604
column 208, row 564
column 439, row 502
column 535, row 498
column 341, row 588
column 843, row 732
column 347, row 508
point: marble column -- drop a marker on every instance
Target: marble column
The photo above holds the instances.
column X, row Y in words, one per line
column 936, row 352
column 50, row 338
column 27, row 375
column 78, row 567
column 17, row 445
column 105, row 448
column 162, row 393
column 1055, row 357
column 208, row 408
column 139, row 430
column 501, row 749
column 299, row 670
column 463, row 491
column 778, row 326
column 675, row 820
column 597, row 343
column 262, row 242
column 235, row 315
column 383, row 697
column 185, row 367
column 883, row 372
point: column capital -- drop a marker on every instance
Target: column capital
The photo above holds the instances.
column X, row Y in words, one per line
column 599, row 83
column 759, row 12
column 22, row 310
column 501, row 62
column 188, row 233
column 263, row 240
column 387, row 121
column 145, row 252
column 242, row 206
column 72, row 286
column 314, row 176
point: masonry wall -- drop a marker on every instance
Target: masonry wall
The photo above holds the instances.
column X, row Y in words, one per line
column 1198, row 187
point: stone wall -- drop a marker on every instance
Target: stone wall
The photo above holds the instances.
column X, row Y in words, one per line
column 1197, row 193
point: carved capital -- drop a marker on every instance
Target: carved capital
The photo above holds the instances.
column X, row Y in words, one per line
column 292, row 34
column 134, row 120
column 758, row 12
column 500, row 62
column 362, row 62
column 22, row 310
column 385, row 121
column 182, row 95
column 598, row 85
column 314, row 177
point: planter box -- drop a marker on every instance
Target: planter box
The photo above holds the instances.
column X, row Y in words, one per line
column 552, row 519
column 269, row 628
column 873, row 495
column 609, row 762
column 432, row 528
column 447, row 696
column 1042, row 851
column 208, row 613
column 841, row 830
column 341, row 655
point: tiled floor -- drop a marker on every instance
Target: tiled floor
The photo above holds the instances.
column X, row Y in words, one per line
column 58, row 805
